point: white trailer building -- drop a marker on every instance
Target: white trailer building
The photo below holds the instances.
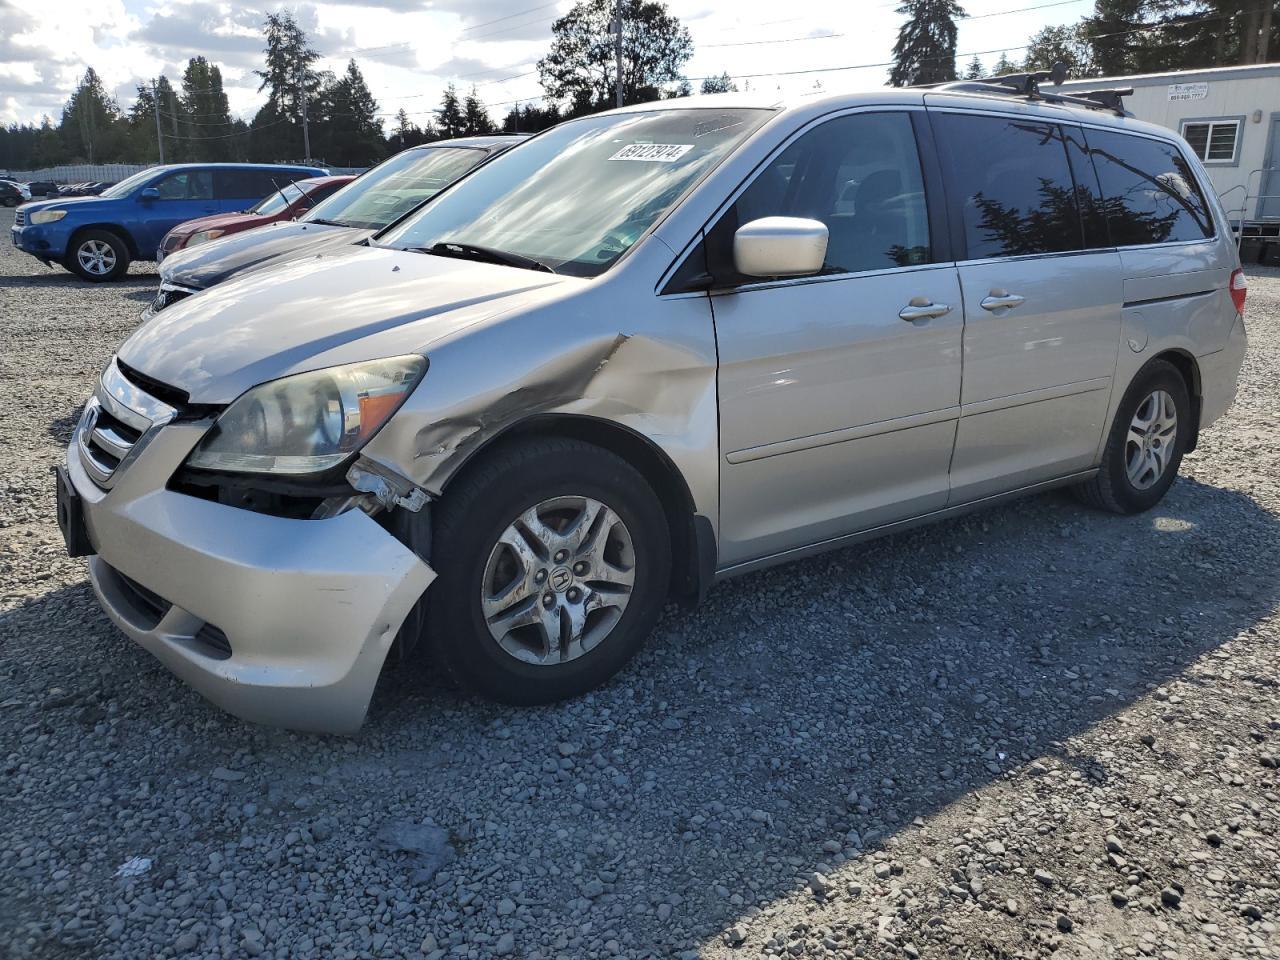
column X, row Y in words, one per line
column 1231, row 118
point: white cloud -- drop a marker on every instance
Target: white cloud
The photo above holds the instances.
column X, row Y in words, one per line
column 409, row 49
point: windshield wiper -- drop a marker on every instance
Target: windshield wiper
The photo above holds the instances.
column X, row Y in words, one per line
column 330, row 223
column 470, row 251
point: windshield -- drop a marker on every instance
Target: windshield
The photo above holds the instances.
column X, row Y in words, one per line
column 277, row 200
column 578, row 196
column 129, row 184
column 395, row 186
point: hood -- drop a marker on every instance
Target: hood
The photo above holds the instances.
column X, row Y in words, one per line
column 320, row 312
column 62, row 203
column 211, row 263
column 237, row 221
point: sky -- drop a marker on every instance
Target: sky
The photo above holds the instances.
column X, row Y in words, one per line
column 409, row 49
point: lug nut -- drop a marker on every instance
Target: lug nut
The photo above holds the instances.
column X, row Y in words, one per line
column 561, row 556
column 540, row 576
column 548, row 599
column 580, row 567
column 573, row 594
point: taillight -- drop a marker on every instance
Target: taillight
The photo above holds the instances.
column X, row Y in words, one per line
column 1239, row 288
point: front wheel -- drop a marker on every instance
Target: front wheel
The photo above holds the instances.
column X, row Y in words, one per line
column 553, row 561
column 97, row 255
column 1145, row 446
column 10, row 201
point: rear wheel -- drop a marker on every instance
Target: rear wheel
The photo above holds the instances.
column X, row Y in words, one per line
column 553, row 562
column 1145, row 446
column 97, row 255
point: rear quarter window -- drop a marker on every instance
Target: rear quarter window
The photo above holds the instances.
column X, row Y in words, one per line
column 1150, row 193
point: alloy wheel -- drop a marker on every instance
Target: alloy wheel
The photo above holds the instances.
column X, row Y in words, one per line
column 558, row 580
column 1153, row 434
column 97, row 257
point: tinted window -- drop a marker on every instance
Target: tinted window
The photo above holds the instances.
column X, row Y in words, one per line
column 186, row 185
column 859, row 175
column 1009, row 184
column 1093, row 214
column 253, row 184
column 1149, row 190
column 277, row 200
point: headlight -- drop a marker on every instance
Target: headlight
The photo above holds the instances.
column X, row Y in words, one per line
column 308, row 422
column 204, row 236
column 46, row 216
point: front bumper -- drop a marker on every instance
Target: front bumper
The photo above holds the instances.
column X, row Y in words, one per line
column 39, row 240
column 278, row 621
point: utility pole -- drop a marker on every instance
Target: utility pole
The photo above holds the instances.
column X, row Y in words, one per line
column 617, row 49
column 155, row 99
column 306, row 132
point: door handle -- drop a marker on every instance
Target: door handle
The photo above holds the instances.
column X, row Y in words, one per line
column 1001, row 300
column 921, row 309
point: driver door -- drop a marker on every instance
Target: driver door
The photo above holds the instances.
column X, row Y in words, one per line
column 839, row 393
column 184, row 195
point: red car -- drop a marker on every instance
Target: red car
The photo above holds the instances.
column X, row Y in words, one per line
column 290, row 201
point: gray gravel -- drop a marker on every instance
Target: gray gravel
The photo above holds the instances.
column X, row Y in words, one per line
column 1037, row 729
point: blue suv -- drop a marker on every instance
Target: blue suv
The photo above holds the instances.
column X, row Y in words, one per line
column 97, row 237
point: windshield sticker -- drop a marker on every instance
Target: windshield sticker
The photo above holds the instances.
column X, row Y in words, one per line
column 653, row 152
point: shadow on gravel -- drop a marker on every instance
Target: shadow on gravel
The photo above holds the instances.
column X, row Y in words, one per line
column 831, row 700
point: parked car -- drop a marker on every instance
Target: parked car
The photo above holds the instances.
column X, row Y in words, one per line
column 97, row 237
column 371, row 202
column 43, row 188
column 13, row 193
column 646, row 350
column 288, row 203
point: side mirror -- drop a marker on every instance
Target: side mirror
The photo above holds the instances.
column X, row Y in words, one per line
column 148, row 194
column 780, row 247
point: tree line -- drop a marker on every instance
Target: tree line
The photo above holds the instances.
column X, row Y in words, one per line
column 1118, row 38
column 345, row 126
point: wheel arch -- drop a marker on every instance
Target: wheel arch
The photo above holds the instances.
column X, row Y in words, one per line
column 693, row 547
column 113, row 228
column 1185, row 363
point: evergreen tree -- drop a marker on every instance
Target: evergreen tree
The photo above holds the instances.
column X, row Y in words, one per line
column 89, row 121
column 721, row 84
column 449, row 116
column 530, row 118
column 276, row 133
column 579, row 70
column 353, row 135
column 207, row 129
column 974, row 71
column 475, row 118
column 405, row 133
column 1060, row 44
column 926, row 47
column 1004, row 65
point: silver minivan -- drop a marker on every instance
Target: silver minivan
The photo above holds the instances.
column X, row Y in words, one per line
column 640, row 352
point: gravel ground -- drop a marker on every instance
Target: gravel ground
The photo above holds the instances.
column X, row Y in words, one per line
column 1036, row 729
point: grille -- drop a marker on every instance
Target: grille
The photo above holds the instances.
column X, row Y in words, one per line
column 105, row 440
column 168, row 295
column 20, row 217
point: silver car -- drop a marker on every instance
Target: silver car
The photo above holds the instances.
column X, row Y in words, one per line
column 643, row 351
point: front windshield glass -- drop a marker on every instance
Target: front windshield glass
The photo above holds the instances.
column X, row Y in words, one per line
column 274, row 202
column 129, row 184
column 575, row 198
column 395, row 186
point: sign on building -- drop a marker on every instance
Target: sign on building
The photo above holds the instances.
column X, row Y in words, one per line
column 1188, row 91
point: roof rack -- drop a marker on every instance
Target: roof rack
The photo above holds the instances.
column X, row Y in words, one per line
column 1028, row 85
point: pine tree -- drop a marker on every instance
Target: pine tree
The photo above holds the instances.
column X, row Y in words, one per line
column 88, row 129
column 926, row 47
column 449, row 115
column 974, row 71
column 208, row 131
column 475, row 118
column 353, row 134
column 1063, row 44
column 1004, row 65
column 721, row 84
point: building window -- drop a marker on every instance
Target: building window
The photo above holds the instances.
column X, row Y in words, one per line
column 1213, row 141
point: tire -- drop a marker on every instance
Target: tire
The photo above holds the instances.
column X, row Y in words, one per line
column 561, row 478
column 10, row 201
column 1128, row 480
column 97, row 256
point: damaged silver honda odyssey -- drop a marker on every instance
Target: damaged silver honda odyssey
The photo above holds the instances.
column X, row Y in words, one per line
column 642, row 351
